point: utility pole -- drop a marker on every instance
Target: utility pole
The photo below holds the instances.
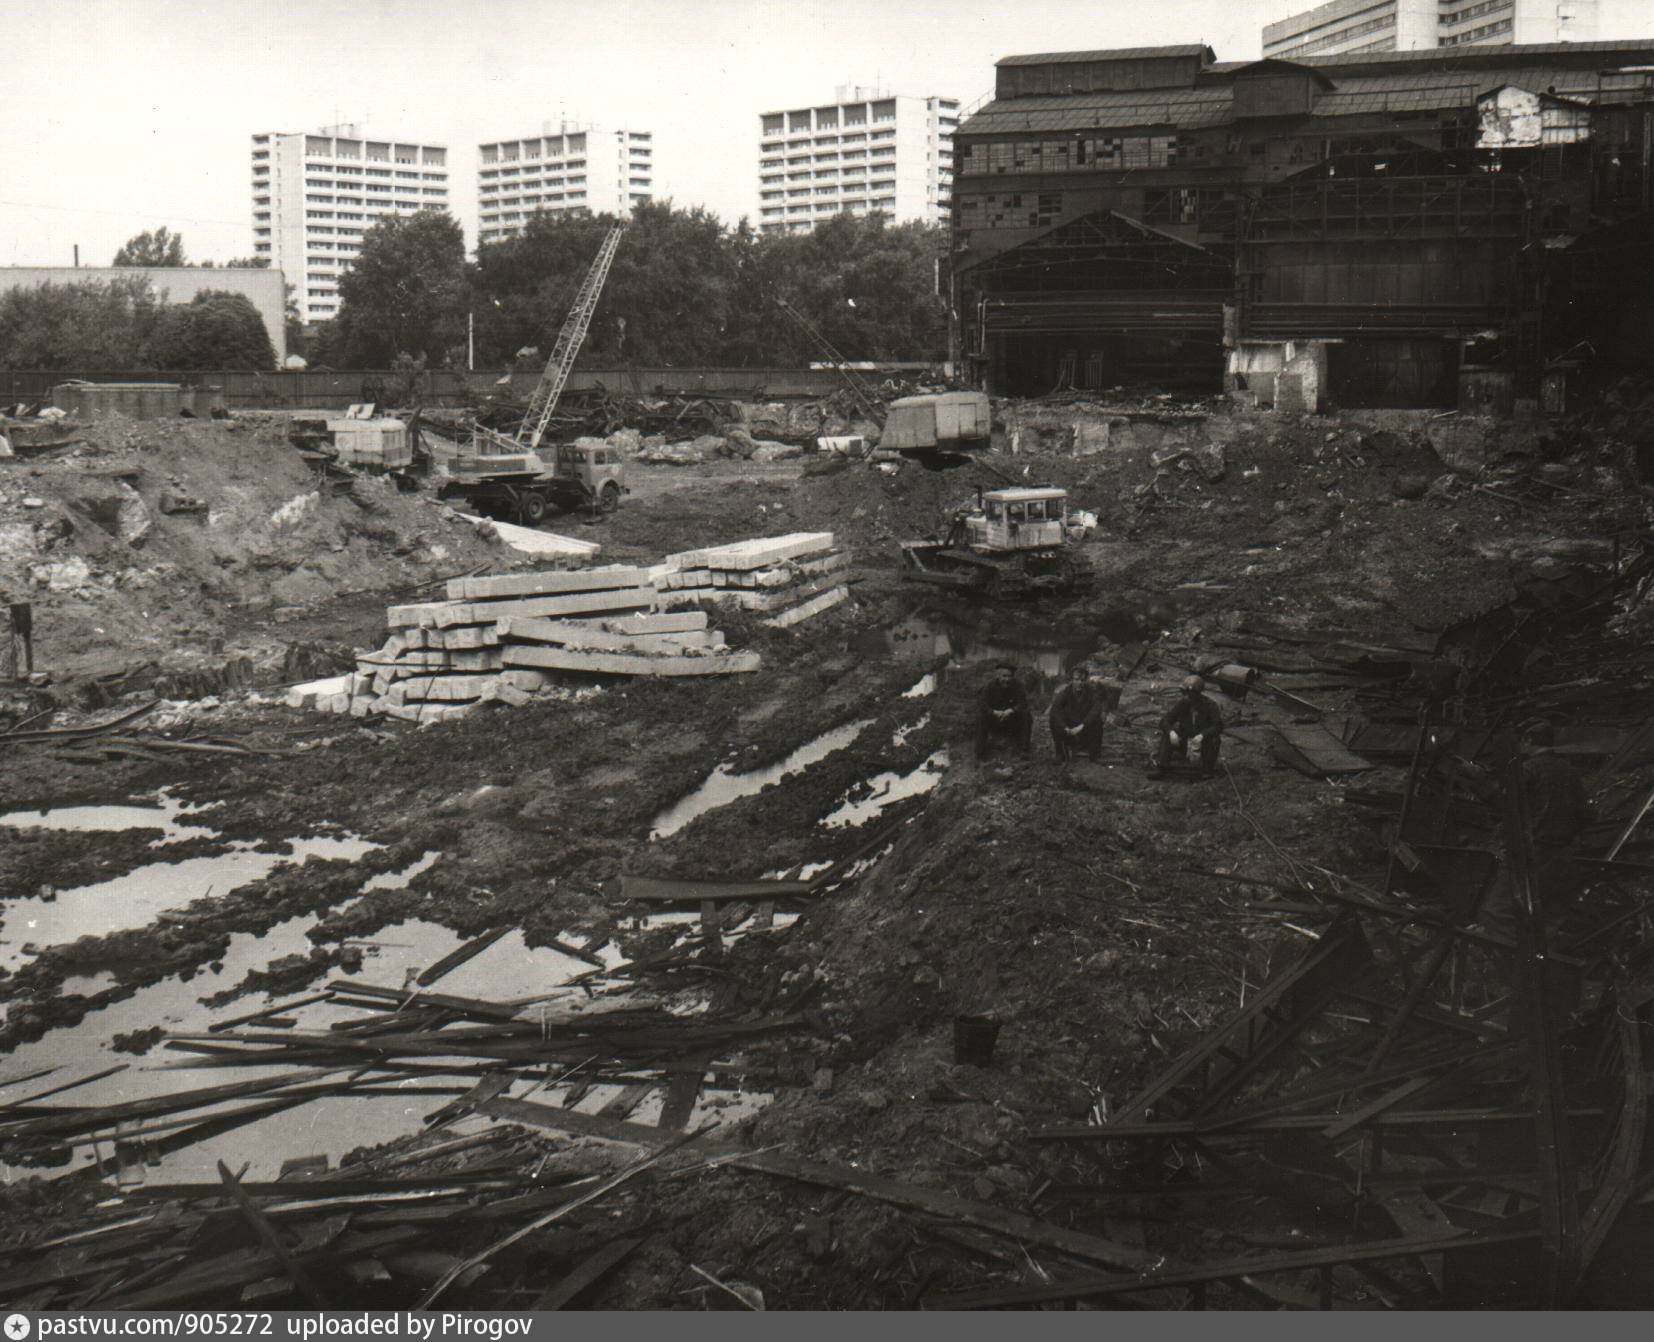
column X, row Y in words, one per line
column 77, row 256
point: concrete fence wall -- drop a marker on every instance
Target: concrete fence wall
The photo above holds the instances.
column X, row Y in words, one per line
column 309, row 389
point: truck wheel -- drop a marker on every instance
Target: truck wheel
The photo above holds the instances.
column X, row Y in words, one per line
column 608, row 498
column 532, row 507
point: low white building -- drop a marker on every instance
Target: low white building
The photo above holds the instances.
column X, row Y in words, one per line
column 567, row 168
column 315, row 194
column 867, row 150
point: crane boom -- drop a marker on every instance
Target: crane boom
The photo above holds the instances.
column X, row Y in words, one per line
column 550, row 386
column 833, row 357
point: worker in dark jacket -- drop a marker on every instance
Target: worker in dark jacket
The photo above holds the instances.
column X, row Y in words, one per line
column 1002, row 712
column 1077, row 716
column 1194, row 718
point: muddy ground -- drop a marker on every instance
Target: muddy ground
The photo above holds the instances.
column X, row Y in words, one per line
column 1084, row 907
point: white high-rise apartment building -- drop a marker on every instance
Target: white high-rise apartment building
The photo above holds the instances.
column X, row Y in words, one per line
column 1415, row 25
column 866, row 151
column 564, row 169
column 315, row 194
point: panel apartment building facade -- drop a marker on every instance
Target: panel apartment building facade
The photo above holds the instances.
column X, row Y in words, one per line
column 566, row 169
column 1153, row 215
column 315, row 194
column 867, row 151
column 1418, row 25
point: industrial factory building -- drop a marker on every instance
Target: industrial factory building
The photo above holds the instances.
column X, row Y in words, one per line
column 1365, row 229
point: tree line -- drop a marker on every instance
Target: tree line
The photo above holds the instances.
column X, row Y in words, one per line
column 122, row 323
column 685, row 290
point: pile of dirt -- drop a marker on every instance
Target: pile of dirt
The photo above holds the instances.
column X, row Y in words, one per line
column 165, row 540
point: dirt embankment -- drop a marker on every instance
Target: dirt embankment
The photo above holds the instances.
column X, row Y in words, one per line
column 1079, row 906
column 190, row 542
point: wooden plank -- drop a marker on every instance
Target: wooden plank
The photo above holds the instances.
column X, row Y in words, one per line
column 619, row 664
column 621, row 1105
column 454, row 959
column 546, row 582
column 572, row 1120
column 570, row 635
column 666, row 890
column 267, row 1235
column 985, row 1216
column 1229, row 1269
column 587, row 1274
column 680, row 1100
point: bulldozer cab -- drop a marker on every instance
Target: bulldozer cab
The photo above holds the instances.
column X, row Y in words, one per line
column 594, row 467
column 1018, row 519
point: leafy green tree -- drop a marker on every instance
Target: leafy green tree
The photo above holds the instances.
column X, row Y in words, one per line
column 245, row 263
column 405, row 293
column 91, row 324
column 668, row 301
column 868, row 286
column 160, row 247
column 215, row 329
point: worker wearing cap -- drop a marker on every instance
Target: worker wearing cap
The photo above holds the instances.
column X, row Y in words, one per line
column 1194, row 719
column 1076, row 716
column 1002, row 712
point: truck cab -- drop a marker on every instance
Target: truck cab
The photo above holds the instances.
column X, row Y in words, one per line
column 600, row 468
column 1018, row 519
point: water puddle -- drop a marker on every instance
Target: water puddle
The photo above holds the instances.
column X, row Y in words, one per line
column 399, row 880
column 134, row 900
column 723, row 787
column 508, row 970
column 923, row 687
column 885, row 790
column 90, row 819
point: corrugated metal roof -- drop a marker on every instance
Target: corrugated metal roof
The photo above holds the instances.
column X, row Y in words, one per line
column 1209, row 103
column 1119, row 54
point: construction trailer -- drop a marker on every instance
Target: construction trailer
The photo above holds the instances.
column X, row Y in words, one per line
column 1362, row 229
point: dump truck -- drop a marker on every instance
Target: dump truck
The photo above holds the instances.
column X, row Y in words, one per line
column 1011, row 543
column 520, row 486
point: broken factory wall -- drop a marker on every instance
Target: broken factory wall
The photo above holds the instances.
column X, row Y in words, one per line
column 1278, row 374
column 1514, row 118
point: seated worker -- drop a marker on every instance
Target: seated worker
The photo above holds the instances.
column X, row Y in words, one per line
column 1194, row 718
column 1077, row 716
column 1002, row 712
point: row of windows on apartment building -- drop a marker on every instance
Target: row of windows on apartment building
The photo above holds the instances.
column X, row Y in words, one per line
column 553, row 146
column 882, row 184
column 1342, row 35
column 816, row 141
column 855, row 206
column 312, row 168
column 1475, row 12
column 827, row 118
column 1478, row 34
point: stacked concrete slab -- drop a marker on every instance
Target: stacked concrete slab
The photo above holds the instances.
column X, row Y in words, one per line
column 791, row 578
column 500, row 639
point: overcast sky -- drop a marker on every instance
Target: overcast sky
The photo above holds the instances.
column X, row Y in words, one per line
column 122, row 115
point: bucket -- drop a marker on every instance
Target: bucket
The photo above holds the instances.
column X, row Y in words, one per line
column 973, row 1039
